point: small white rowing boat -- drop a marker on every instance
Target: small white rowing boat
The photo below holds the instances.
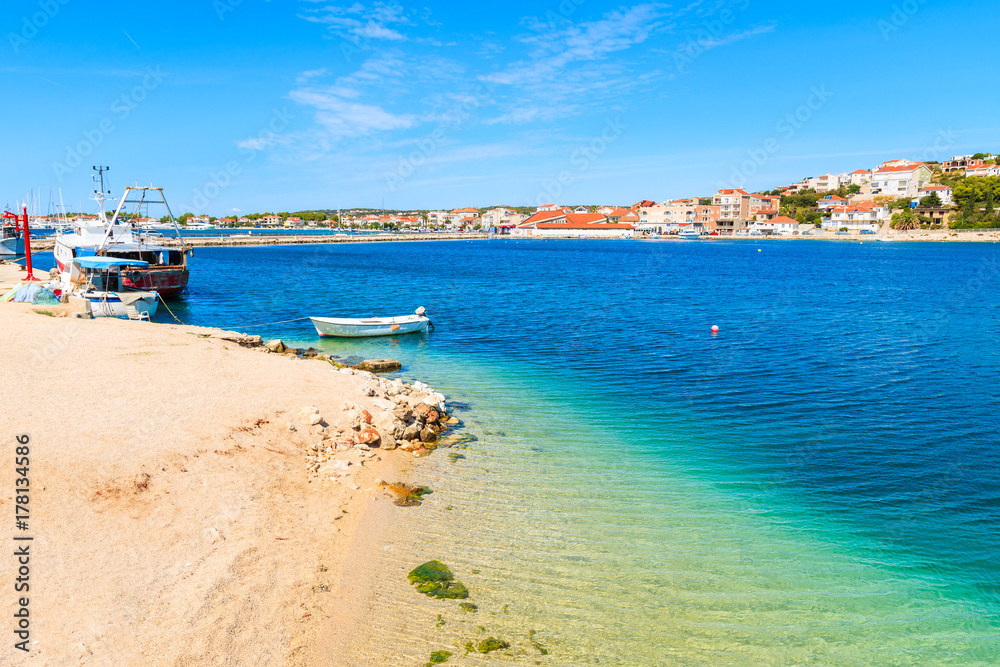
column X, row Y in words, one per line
column 329, row 327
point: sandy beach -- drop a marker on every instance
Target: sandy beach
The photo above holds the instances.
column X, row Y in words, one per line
column 173, row 516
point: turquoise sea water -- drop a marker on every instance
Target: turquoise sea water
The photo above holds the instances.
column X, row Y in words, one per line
column 819, row 483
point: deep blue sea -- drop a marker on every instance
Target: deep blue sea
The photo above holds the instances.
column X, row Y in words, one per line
column 817, row 483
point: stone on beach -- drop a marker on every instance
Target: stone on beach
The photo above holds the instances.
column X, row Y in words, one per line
column 275, row 346
column 379, row 365
column 384, row 404
column 368, row 436
column 388, row 441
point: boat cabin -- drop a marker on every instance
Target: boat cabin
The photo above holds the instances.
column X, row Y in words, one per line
column 102, row 274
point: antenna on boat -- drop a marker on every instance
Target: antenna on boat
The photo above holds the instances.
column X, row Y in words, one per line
column 100, row 194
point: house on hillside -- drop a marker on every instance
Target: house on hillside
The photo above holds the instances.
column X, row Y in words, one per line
column 946, row 194
column 830, row 201
column 962, row 163
column 856, row 218
column 900, row 178
column 859, row 177
column 737, row 206
column 983, row 170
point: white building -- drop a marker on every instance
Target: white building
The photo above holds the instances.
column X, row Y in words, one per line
column 829, row 202
column 860, row 177
column 776, row 226
column 826, row 182
column 652, row 217
column 497, row 216
column 900, row 178
column 983, row 170
column 946, row 194
column 856, row 218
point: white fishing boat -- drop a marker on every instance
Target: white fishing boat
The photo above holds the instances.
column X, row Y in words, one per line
column 689, row 234
column 166, row 268
column 98, row 280
column 11, row 239
column 330, row 327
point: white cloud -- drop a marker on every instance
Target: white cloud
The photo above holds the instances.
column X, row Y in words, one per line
column 340, row 116
column 716, row 42
column 552, row 51
column 310, row 74
column 361, row 23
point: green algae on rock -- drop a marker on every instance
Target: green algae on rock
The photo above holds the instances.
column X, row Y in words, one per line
column 438, row 657
column 469, row 607
column 435, row 580
column 490, row 644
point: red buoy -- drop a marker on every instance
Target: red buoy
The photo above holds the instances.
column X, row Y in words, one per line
column 715, row 329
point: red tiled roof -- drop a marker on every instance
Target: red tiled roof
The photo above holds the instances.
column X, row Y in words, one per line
column 852, row 209
column 782, row 218
column 569, row 225
column 910, row 166
column 542, row 216
column 733, row 191
column 935, row 187
column 860, row 171
column 833, row 198
column 585, row 218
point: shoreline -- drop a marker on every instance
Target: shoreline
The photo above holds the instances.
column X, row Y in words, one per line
column 945, row 236
column 180, row 497
column 47, row 244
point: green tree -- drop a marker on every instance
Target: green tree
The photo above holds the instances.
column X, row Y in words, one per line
column 906, row 219
column 931, row 200
column 853, row 189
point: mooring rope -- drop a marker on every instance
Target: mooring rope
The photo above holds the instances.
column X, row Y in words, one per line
column 170, row 311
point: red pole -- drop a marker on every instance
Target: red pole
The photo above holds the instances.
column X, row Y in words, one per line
column 27, row 249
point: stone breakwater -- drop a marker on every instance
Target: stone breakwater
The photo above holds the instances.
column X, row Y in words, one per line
column 388, row 415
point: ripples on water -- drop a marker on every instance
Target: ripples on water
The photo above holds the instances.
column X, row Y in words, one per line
column 818, row 483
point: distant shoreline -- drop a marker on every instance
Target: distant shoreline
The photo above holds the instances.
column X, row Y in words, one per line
column 48, row 243
column 936, row 236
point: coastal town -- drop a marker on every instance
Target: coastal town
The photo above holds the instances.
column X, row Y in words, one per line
column 959, row 194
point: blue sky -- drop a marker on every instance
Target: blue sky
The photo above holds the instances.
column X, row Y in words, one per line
column 252, row 105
